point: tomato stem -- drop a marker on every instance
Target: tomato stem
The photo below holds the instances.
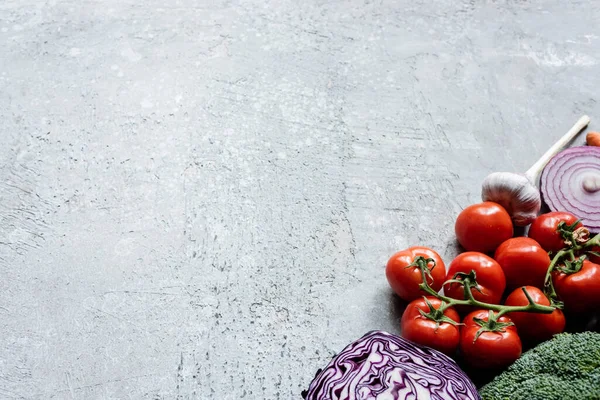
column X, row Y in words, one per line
column 422, row 264
column 595, row 241
column 437, row 315
column 548, row 284
column 570, row 234
column 469, row 283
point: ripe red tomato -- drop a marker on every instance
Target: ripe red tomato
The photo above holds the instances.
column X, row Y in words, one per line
column 544, row 229
column 490, row 277
column 490, row 350
column 405, row 281
column 535, row 327
column 482, row 227
column 442, row 336
column 580, row 291
column 523, row 261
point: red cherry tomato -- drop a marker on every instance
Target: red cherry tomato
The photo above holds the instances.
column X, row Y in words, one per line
column 490, row 277
column 544, row 229
column 491, row 350
column 405, row 281
column 534, row 327
column 523, row 261
column 580, row 291
column 482, row 227
column 419, row 329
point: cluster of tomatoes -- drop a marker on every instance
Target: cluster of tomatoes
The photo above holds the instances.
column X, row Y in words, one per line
column 503, row 266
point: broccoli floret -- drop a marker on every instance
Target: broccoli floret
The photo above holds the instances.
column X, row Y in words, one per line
column 563, row 368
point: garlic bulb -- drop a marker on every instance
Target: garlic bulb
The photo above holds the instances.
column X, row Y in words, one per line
column 519, row 197
column 518, row 193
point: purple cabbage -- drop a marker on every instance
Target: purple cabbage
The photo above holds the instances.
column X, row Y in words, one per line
column 382, row 366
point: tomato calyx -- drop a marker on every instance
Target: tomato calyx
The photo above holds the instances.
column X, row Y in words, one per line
column 493, row 323
column 422, row 264
column 437, row 314
column 467, row 280
column 571, row 266
column 571, row 234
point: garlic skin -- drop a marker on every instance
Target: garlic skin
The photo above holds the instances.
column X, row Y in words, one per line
column 516, row 193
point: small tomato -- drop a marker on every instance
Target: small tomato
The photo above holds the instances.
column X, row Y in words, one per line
column 441, row 335
column 489, row 349
column 580, row 290
column 482, row 227
column 523, row 261
column 489, row 275
column 534, row 327
column 544, row 229
column 405, row 279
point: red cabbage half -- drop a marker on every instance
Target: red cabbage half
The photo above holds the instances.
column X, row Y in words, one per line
column 565, row 184
column 382, row 366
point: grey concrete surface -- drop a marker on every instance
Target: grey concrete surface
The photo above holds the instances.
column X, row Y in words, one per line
column 197, row 198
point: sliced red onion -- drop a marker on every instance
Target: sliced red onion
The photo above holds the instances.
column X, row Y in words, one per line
column 571, row 182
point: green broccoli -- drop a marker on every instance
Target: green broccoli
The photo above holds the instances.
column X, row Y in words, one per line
column 563, row 368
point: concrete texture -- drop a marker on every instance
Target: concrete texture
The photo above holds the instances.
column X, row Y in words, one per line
column 197, row 198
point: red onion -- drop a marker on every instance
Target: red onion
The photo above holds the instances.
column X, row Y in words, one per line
column 571, row 182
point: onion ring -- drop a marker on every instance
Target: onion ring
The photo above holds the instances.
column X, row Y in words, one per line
column 571, row 182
